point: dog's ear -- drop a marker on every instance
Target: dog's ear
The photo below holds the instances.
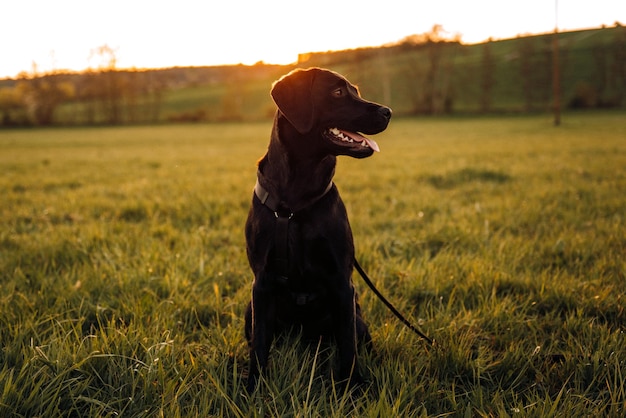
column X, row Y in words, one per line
column 293, row 95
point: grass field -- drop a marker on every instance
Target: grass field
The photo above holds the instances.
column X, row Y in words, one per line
column 124, row 277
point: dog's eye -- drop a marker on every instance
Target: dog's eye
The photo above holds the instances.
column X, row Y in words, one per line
column 338, row 92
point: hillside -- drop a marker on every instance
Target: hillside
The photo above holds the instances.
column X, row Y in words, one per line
column 509, row 75
column 432, row 76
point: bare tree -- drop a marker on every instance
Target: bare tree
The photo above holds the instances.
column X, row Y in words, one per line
column 431, row 78
column 535, row 69
column 526, row 53
column 12, row 107
column 617, row 72
column 108, row 85
column 42, row 93
column 488, row 66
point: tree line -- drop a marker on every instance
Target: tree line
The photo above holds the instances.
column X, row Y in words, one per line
column 104, row 95
column 434, row 73
column 427, row 74
column 443, row 79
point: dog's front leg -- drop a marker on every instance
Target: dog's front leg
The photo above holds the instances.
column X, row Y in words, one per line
column 345, row 334
column 262, row 330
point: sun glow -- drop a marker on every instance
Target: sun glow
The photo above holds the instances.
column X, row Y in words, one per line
column 154, row 34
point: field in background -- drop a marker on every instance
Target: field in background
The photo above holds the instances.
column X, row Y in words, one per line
column 124, row 276
column 426, row 74
column 517, row 73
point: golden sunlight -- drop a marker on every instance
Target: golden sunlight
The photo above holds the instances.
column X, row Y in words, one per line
column 62, row 34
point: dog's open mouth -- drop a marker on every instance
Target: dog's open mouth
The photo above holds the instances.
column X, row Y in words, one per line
column 351, row 139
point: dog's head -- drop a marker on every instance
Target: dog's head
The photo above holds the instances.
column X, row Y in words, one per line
column 322, row 105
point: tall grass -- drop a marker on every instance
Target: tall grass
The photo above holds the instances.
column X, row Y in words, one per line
column 124, row 277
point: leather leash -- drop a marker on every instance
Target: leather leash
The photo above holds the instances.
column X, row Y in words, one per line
column 392, row 308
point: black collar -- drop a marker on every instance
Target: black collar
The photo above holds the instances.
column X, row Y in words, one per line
column 273, row 203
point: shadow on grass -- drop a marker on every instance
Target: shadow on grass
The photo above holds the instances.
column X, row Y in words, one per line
column 464, row 176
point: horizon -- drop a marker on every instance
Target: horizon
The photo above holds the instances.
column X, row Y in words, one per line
column 64, row 35
column 389, row 44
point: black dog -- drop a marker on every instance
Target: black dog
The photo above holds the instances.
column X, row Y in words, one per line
column 299, row 241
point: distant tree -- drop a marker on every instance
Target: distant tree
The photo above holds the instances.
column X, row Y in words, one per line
column 601, row 57
column 12, row 107
column 42, row 93
column 488, row 66
column 544, row 69
column 535, row 69
column 87, row 94
column 617, row 72
column 431, row 78
column 108, row 85
column 154, row 85
column 115, row 96
column 526, row 52
column 385, row 76
column 609, row 78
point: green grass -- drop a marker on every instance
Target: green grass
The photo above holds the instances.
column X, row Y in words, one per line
column 124, row 278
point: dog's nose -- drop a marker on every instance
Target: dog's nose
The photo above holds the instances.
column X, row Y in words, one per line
column 385, row 111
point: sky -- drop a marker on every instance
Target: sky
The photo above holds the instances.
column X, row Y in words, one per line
column 61, row 34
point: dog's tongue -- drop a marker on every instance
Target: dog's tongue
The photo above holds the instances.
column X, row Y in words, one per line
column 360, row 138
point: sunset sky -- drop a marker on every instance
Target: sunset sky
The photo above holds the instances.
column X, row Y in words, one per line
column 59, row 34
